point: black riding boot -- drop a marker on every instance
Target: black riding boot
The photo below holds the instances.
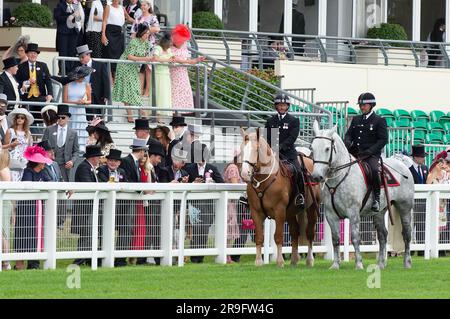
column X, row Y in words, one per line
column 300, row 198
column 376, row 200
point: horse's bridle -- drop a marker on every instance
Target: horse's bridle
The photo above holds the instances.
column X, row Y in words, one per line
column 333, row 149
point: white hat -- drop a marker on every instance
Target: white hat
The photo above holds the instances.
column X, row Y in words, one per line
column 3, row 97
column 23, row 111
column 49, row 107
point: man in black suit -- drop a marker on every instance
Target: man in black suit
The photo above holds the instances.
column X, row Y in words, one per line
column 66, row 15
column 202, row 172
column 366, row 138
column 111, row 172
column 8, row 83
column 179, row 128
column 125, row 215
column 36, row 77
column 282, row 133
column 99, row 79
column 176, row 172
column 419, row 172
column 82, row 214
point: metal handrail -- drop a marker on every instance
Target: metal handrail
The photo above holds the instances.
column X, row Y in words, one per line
column 324, row 46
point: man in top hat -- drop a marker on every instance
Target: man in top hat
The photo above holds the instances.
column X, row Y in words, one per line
column 202, row 172
column 176, row 172
column 82, row 218
column 111, row 172
column 419, row 172
column 66, row 15
column 64, row 141
column 286, row 128
column 366, row 138
column 179, row 128
column 36, row 78
column 125, row 215
column 8, row 83
column 99, row 80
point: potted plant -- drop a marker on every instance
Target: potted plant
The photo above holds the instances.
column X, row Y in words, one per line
column 36, row 21
column 396, row 53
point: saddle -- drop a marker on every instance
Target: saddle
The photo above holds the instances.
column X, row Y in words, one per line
column 391, row 181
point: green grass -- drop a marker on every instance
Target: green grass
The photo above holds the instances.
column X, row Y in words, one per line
column 427, row 279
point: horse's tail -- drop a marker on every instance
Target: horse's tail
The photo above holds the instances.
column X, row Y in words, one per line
column 395, row 238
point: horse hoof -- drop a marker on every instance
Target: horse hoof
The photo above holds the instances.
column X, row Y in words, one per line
column 258, row 263
column 294, row 263
column 310, row 263
column 381, row 265
column 359, row 266
column 334, row 266
column 280, row 264
column 407, row 264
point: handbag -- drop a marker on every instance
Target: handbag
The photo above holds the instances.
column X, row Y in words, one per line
column 248, row 224
column 17, row 163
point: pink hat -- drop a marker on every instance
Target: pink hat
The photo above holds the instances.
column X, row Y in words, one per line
column 36, row 154
column 180, row 34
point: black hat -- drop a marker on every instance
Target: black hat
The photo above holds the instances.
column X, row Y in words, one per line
column 141, row 124
column 93, row 151
column 63, row 109
column 102, row 126
column 156, row 148
column 32, row 47
column 282, row 98
column 10, row 62
column 367, row 98
column 80, row 72
column 178, row 121
column 45, row 145
column 419, row 151
column 114, row 154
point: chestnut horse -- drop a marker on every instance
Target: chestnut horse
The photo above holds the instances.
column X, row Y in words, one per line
column 271, row 194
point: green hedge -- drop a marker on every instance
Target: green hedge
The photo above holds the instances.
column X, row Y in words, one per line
column 388, row 31
column 33, row 15
column 206, row 20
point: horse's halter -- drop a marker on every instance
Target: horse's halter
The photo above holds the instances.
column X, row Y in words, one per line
column 333, row 149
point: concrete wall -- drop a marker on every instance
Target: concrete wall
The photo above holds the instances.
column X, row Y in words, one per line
column 394, row 87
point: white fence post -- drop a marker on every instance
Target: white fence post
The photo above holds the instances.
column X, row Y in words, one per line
column 426, row 254
column 167, row 229
column 1, row 229
column 434, row 224
column 267, row 239
column 109, row 221
column 95, row 210
column 50, row 230
column 221, row 227
column 182, row 230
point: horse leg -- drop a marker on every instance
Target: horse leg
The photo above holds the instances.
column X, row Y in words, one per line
column 333, row 221
column 279, row 229
column 406, row 216
column 310, row 234
column 259, row 238
column 294, row 230
column 354, row 223
column 382, row 234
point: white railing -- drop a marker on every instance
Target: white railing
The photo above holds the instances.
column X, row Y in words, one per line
column 171, row 208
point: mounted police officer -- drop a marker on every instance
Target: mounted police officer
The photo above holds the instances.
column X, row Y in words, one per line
column 288, row 128
column 366, row 138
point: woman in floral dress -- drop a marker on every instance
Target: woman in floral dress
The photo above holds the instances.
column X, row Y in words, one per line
column 127, row 86
column 182, row 97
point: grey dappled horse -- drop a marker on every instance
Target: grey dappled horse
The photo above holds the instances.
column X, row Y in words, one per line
column 330, row 158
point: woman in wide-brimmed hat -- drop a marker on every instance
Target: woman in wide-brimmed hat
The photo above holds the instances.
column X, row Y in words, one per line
column 103, row 138
column 19, row 136
column 29, row 216
column 18, row 49
column 79, row 92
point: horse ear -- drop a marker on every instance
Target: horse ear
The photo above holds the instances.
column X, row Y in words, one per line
column 316, row 128
column 334, row 130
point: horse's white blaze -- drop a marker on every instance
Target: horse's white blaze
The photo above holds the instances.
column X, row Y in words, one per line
column 245, row 171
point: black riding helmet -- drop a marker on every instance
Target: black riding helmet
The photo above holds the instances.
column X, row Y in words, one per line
column 367, row 98
column 282, row 98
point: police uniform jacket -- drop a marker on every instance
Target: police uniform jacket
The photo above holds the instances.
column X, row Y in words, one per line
column 366, row 136
column 289, row 128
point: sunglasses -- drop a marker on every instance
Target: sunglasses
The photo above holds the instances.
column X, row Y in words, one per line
column 20, row 117
column 62, row 117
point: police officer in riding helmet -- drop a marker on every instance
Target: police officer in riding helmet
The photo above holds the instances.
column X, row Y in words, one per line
column 287, row 128
column 366, row 138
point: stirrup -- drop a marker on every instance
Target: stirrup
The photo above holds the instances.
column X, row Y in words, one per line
column 375, row 206
column 243, row 201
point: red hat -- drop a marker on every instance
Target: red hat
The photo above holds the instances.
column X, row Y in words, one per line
column 442, row 155
column 36, row 154
column 180, row 34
